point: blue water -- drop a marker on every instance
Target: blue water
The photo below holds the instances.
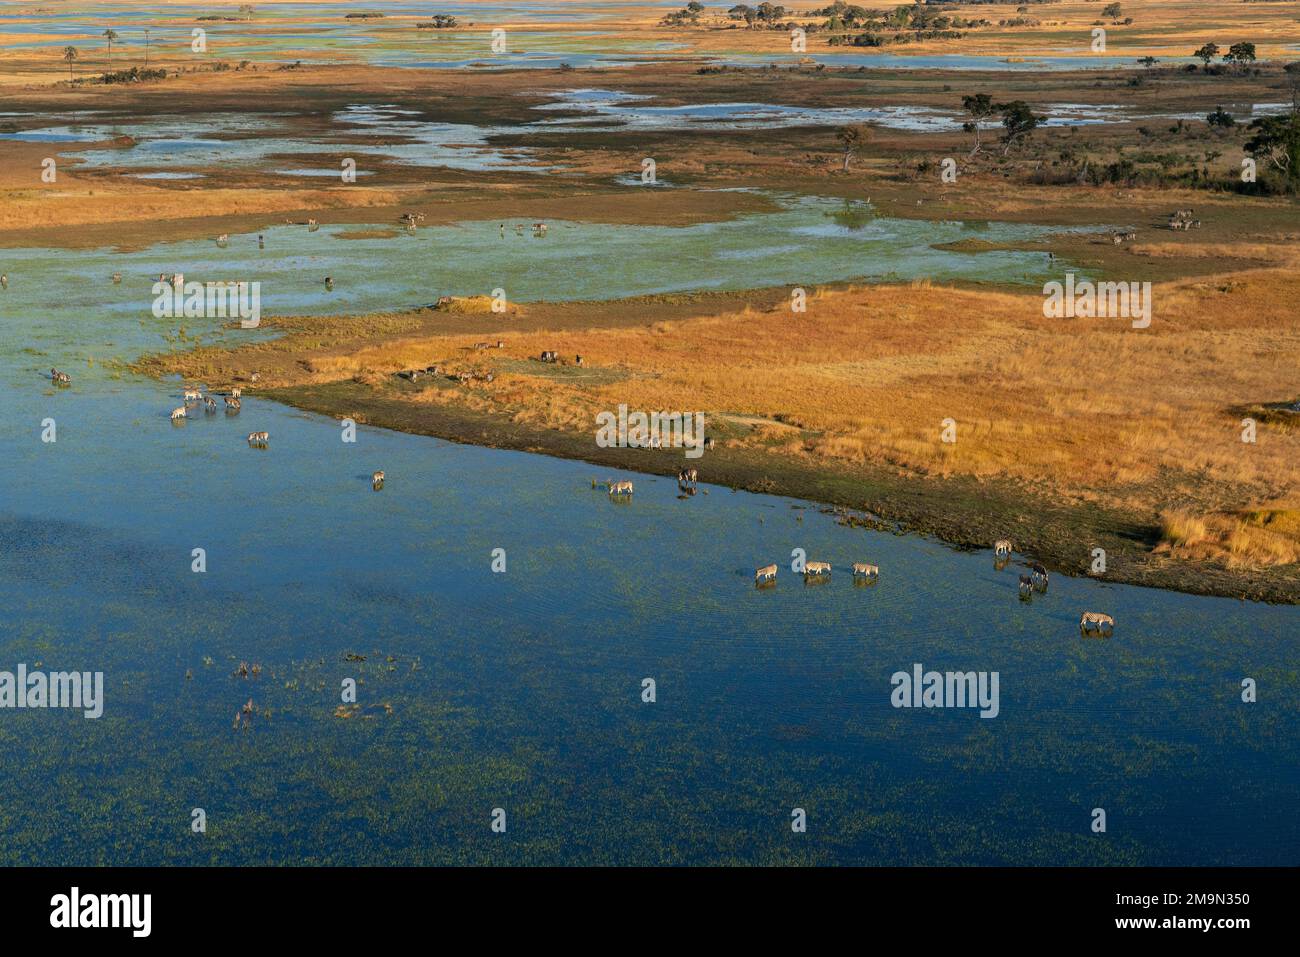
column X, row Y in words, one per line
column 522, row 690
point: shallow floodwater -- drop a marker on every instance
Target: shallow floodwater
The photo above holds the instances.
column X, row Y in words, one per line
column 806, row 241
column 522, row 690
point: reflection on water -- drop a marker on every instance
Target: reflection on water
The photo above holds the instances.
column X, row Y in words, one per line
column 522, row 689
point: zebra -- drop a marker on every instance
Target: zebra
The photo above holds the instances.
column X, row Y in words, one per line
column 377, row 479
column 1002, row 548
column 765, row 574
column 258, row 438
column 178, row 413
column 816, row 568
column 619, row 488
column 1103, row 624
column 865, row 571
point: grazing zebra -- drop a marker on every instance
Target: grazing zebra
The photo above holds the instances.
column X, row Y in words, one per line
column 117, row 278
column 312, row 225
column 254, row 377
column 258, row 438
column 209, row 404
column 708, row 445
column 1102, row 624
column 1038, row 575
column 765, row 574
column 539, row 229
column 577, row 360
column 377, row 479
column 232, row 405
column 816, row 568
column 619, row 488
column 178, row 413
column 1002, row 548
column 482, row 345
column 329, row 283
column 688, row 476
column 59, row 378
column 192, row 395
column 864, row 570
column 1026, row 586
column 4, row 281
column 223, row 240
column 463, row 377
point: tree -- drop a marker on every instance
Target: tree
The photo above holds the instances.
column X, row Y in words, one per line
column 247, row 10
column 1292, row 71
column 146, row 48
column 980, row 107
column 70, row 54
column 852, row 139
column 1207, row 53
column 1018, row 121
column 1148, row 61
column 1221, row 118
column 110, row 35
column 1112, row 10
column 695, row 6
column 1276, row 141
column 1240, row 54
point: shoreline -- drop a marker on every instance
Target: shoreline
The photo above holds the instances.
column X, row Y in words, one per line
column 962, row 513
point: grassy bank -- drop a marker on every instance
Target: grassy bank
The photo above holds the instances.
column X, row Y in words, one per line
column 844, row 405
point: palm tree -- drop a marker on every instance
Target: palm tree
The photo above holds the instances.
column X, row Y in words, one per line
column 146, row 48
column 69, row 54
column 111, row 35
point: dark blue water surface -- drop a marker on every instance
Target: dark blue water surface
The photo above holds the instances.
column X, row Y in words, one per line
column 522, row 690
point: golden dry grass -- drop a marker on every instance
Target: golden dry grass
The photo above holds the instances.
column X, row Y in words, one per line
column 1252, row 539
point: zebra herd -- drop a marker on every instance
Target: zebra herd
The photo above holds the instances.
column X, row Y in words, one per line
column 814, row 571
column 1036, row 580
column 196, row 397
